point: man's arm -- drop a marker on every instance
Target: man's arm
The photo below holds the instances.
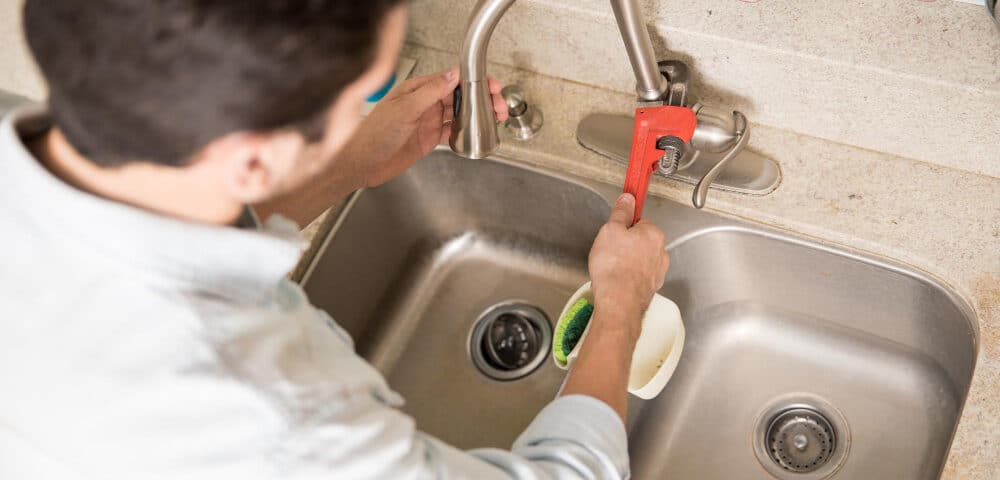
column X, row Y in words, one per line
column 311, row 415
column 601, row 370
column 627, row 266
column 403, row 128
column 306, row 203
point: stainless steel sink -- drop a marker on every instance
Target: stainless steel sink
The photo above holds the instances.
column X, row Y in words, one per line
column 802, row 361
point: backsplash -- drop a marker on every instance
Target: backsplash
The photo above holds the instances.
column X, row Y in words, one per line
column 912, row 78
column 17, row 69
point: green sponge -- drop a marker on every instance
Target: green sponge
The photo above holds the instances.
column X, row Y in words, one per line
column 570, row 328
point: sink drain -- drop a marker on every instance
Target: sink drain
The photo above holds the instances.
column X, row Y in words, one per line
column 801, row 440
column 801, row 437
column 510, row 340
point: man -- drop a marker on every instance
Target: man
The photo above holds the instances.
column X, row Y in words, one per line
column 148, row 332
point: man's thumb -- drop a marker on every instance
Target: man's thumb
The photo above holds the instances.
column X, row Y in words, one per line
column 623, row 211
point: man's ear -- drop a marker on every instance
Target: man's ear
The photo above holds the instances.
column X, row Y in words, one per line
column 254, row 164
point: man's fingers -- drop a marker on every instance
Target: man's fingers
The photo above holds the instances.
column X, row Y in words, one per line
column 414, row 83
column 662, row 272
column 500, row 108
column 649, row 228
column 447, row 116
column 432, row 91
column 408, row 86
column 650, row 231
column 499, row 105
column 495, row 85
column 623, row 210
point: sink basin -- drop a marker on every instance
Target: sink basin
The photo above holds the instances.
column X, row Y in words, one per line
column 861, row 362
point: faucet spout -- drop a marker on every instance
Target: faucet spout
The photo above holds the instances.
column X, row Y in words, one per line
column 650, row 84
column 474, row 130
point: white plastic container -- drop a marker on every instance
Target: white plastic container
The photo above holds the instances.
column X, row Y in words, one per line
column 657, row 351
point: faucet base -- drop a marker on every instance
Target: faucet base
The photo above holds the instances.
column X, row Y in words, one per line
column 749, row 172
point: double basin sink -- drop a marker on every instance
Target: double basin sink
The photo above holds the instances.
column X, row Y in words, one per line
column 802, row 360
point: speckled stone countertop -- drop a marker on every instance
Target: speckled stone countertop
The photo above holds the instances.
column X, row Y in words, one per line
column 942, row 221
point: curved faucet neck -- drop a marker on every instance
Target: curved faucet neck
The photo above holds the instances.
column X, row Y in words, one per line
column 485, row 16
column 650, row 83
column 474, row 133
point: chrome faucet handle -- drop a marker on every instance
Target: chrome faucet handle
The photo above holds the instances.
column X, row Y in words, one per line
column 714, row 133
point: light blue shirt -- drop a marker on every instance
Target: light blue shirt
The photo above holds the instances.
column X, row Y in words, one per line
column 138, row 346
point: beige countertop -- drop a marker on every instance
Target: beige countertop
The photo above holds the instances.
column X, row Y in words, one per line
column 942, row 221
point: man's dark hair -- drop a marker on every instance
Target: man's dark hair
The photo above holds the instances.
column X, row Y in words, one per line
column 156, row 80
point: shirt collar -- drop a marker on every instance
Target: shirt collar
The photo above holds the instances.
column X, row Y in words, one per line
column 241, row 264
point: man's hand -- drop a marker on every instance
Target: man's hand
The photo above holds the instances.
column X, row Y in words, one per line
column 403, row 128
column 627, row 264
column 407, row 124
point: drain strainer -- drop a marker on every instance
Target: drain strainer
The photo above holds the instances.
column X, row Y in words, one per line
column 801, row 436
column 510, row 340
column 801, row 440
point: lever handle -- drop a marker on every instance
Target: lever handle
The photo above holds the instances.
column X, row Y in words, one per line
column 652, row 124
column 743, row 135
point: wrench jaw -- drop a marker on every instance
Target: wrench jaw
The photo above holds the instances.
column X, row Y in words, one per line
column 658, row 131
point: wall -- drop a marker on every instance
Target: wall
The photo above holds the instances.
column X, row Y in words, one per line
column 913, row 78
column 17, row 70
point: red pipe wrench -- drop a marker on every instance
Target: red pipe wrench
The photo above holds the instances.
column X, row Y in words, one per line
column 652, row 123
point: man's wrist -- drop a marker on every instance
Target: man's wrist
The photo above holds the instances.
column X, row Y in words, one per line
column 618, row 320
column 626, row 302
column 349, row 172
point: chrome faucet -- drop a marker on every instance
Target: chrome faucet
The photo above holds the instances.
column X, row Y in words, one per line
column 474, row 130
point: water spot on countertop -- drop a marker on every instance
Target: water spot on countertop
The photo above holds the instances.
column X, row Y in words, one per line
column 988, row 293
column 833, row 207
column 987, row 297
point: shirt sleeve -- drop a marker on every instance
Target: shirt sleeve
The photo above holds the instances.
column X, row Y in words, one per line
column 574, row 437
column 340, row 421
